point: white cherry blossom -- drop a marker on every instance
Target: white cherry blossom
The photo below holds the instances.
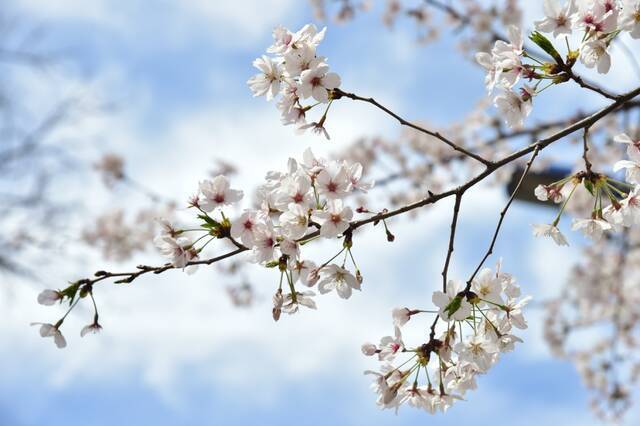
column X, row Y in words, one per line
column 557, row 20
column 630, row 17
column 294, row 222
column 269, row 80
column 49, row 297
column 552, row 231
column 334, row 220
column 50, row 330
column 317, row 82
column 216, row 193
column 339, row 279
column 514, row 108
column 594, row 54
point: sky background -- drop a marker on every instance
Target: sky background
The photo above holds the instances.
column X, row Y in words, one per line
column 173, row 349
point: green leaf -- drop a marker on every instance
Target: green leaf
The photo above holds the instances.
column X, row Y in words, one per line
column 71, row 292
column 544, row 44
column 589, row 186
column 453, row 306
column 209, row 222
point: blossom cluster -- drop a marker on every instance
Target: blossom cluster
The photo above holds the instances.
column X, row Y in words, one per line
column 296, row 74
column 294, row 207
column 616, row 204
column 598, row 22
column 479, row 321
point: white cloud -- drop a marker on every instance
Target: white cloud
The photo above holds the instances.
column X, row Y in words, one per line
column 229, row 24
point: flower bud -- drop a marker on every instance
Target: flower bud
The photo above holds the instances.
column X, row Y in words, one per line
column 369, row 349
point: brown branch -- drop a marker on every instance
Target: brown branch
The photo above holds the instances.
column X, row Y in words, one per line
column 337, row 94
column 502, row 137
column 589, row 86
column 432, row 198
column 128, row 277
column 585, row 144
column 452, row 237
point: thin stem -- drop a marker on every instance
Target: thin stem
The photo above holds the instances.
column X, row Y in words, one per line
column 503, row 213
column 432, row 198
column 585, row 151
column 452, row 237
column 337, row 94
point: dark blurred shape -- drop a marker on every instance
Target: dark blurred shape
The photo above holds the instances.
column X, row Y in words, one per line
column 532, row 180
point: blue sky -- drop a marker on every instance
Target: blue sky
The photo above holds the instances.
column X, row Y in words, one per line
column 177, row 72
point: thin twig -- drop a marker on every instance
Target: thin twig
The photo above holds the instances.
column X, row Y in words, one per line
column 503, row 213
column 337, row 94
column 585, row 151
column 127, row 277
column 452, row 237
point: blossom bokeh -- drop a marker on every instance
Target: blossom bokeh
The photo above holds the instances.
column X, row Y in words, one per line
column 164, row 84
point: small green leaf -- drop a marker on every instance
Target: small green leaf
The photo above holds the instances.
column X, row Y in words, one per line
column 544, row 43
column 209, row 222
column 453, row 306
column 589, row 186
column 71, row 292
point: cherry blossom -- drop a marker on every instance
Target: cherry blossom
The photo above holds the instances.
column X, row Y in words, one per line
column 49, row 297
column 557, row 20
column 216, row 193
column 592, row 228
column 390, row 346
column 339, row 279
column 400, row 316
column 294, row 221
column 92, row 328
column 179, row 250
column 303, row 270
column 244, row 227
column 268, row 81
column 316, row 82
column 513, row 107
column 550, row 231
column 334, row 220
column 333, row 181
column 630, row 17
column 594, row 54
column 50, row 330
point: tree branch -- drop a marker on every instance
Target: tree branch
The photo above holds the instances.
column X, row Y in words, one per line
column 432, row 198
column 337, row 94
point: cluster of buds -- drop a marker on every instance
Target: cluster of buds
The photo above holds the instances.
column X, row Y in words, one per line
column 478, row 320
